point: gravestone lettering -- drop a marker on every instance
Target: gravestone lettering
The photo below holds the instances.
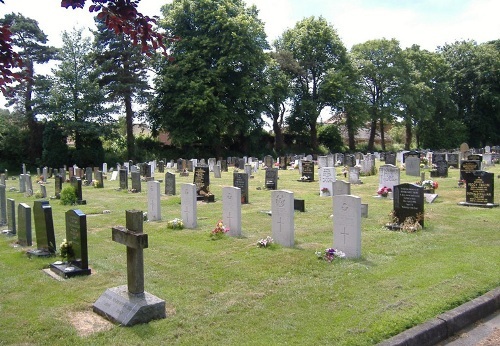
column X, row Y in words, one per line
column 479, row 188
column 408, row 203
column 326, row 178
column 389, row 176
column 307, row 171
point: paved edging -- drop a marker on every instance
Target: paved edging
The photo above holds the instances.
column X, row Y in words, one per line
column 448, row 323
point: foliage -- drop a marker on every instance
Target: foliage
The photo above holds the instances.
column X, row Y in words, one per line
column 55, row 150
column 13, row 138
column 68, row 195
column 329, row 135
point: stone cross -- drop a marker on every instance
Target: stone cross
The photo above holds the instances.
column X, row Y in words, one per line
column 136, row 241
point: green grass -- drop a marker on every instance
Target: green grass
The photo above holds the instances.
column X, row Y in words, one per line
column 230, row 292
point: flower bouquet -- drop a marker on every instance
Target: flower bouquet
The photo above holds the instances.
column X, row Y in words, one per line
column 175, row 224
column 66, row 251
column 384, row 191
column 330, row 254
column 219, row 231
column 265, row 242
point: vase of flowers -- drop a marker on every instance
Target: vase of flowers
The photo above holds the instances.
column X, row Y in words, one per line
column 429, row 186
column 384, row 191
column 66, row 251
column 219, row 231
column 325, row 192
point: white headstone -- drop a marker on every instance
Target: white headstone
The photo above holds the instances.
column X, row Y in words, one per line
column 341, row 187
column 354, row 175
column 154, row 206
column 105, row 168
column 322, row 162
column 347, row 225
column 282, row 208
column 188, row 205
column 217, row 171
column 114, row 175
column 326, row 178
column 389, row 175
column 231, row 209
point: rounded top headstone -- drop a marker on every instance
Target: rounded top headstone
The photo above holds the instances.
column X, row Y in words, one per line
column 487, row 149
column 464, row 147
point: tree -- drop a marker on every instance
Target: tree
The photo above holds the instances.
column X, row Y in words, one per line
column 210, row 95
column 13, row 136
column 122, row 70
column 31, row 44
column 329, row 135
column 316, row 49
column 77, row 102
column 381, row 65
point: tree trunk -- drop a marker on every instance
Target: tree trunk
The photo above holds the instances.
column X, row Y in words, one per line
column 314, row 136
column 278, row 136
column 373, row 129
column 382, row 134
column 351, row 132
column 409, row 135
column 129, row 120
column 35, row 138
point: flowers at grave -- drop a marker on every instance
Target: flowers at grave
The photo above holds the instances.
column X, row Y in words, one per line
column 96, row 184
column 219, row 231
column 384, row 191
column 330, row 254
column 429, row 184
column 40, row 180
column 66, row 251
column 175, row 224
column 304, row 178
column 324, row 190
column 424, row 162
column 265, row 242
column 461, row 183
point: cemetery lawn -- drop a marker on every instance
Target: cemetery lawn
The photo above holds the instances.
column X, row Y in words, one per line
column 230, row 292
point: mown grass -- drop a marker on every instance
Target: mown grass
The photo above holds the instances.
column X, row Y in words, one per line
column 230, row 292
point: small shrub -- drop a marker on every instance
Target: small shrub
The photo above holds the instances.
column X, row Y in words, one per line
column 68, row 195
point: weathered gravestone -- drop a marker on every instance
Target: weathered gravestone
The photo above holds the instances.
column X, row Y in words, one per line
column 170, row 184
column 283, row 160
column 322, row 162
column 231, row 209
column 282, row 208
column 154, row 205
column 326, row 178
column 123, row 179
column 188, row 205
column 389, row 175
column 22, row 184
column 347, row 225
column 3, row 205
column 408, row 205
column 341, row 187
column 136, row 181
column 479, row 189
column 129, row 305
column 99, row 180
column 390, row 158
column 77, row 185
column 11, row 217
column 453, row 159
column 271, row 178
column 24, row 236
column 29, row 185
column 268, row 161
column 354, row 175
column 307, row 171
column 240, row 180
column 58, row 181
column 44, row 230
column 202, row 181
column 217, row 171
column 350, row 160
column 441, row 169
column 88, row 175
column 412, row 165
column 76, row 233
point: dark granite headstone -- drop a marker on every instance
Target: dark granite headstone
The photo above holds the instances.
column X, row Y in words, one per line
column 202, row 181
column 271, row 178
column 170, row 184
column 88, row 174
column 479, row 188
column 299, row 205
column 58, row 181
column 475, row 157
column 436, row 157
column 241, row 180
column 453, row 159
column 411, row 153
column 308, row 170
column 99, row 176
column 44, row 229
column 77, row 184
column 136, row 181
column 441, row 169
column 24, row 237
column 408, row 202
column 161, row 166
column 350, row 160
column 123, row 179
column 468, row 166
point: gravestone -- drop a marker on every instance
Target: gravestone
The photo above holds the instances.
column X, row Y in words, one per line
column 271, row 178
column 211, row 164
column 436, row 157
column 350, row 160
column 282, row 208
column 44, row 229
column 326, row 178
column 24, row 236
column 88, row 175
column 2, row 179
column 364, row 210
column 283, row 162
column 188, row 205
column 58, row 181
column 123, row 179
column 100, row 179
column 441, row 169
column 354, row 175
column 322, row 162
column 22, row 184
column 3, row 205
column 11, row 217
column 223, row 165
column 136, row 181
column 469, row 166
column 479, row 189
column 330, row 160
column 77, row 185
column 412, row 153
column 412, row 165
column 76, row 233
column 299, row 205
column 154, row 205
column 307, row 171
column 29, row 185
column 202, row 181
column 408, row 203
column 453, row 159
column 217, row 171
column 339, row 160
column 341, row 187
column 389, row 175
column 240, row 180
column 161, row 166
column 347, row 225
column 129, row 305
column 268, row 161
column 231, row 209
column 114, row 175
column 43, row 191
column 170, row 184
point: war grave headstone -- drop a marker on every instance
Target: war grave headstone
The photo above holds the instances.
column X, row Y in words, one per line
column 170, row 184
column 282, row 208
column 408, row 205
column 389, row 175
column 202, row 181
column 154, row 205
column 76, row 234
column 341, row 187
column 188, row 205
column 412, row 165
column 271, row 178
column 136, row 181
column 231, row 209
column 307, row 174
column 24, row 236
column 347, row 225
column 3, row 205
column 479, row 189
column 123, row 179
column 326, row 178
column 44, row 230
column 240, row 180
column 131, row 304
column 77, row 185
column 469, row 166
column 354, row 175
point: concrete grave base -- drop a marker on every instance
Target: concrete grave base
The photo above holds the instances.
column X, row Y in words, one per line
column 479, row 205
column 127, row 309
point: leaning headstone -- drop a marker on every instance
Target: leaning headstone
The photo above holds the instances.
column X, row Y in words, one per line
column 76, row 233
column 389, row 176
column 11, row 217
column 24, row 236
column 154, row 206
column 136, row 181
column 3, row 205
column 479, row 189
column 271, row 178
column 114, row 175
column 170, row 184
column 412, row 165
column 326, row 178
column 341, row 187
column 347, row 225
column 129, row 305
column 282, row 208
column 188, row 205
column 44, row 229
column 240, row 180
column 231, row 210
column 408, row 204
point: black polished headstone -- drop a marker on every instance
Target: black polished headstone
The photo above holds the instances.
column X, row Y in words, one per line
column 408, row 202
column 241, row 180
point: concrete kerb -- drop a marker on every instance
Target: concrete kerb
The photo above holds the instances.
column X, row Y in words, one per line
column 448, row 323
